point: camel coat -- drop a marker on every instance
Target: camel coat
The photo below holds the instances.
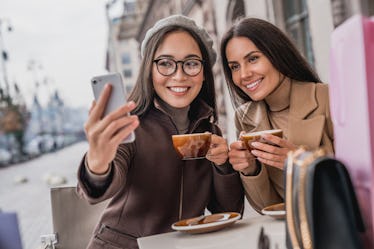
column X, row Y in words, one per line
column 309, row 124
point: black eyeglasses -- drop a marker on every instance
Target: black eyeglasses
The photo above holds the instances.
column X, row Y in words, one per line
column 168, row 66
column 263, row 240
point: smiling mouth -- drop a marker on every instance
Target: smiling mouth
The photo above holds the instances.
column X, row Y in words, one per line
column 253, row 84
column 178, row 89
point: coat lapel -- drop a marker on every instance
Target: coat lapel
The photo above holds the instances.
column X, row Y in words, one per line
column 253, row 117
column 304, row 130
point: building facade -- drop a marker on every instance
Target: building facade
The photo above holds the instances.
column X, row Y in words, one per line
column 122, row 53
column 308, row 23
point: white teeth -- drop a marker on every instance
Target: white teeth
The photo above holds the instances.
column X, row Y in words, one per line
column 254, row 84
column 178, row 89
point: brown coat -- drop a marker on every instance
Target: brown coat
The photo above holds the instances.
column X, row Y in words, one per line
column 151, row 187
column 309, row 124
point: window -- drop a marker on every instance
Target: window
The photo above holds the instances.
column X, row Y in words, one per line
column 129, row 88
column 297, row 26
column 235, row 10
column 367, row 7
column 126, row 59
column 127, row 73
column 129, row 7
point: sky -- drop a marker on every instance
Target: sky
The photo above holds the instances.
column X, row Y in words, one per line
column 66, row 39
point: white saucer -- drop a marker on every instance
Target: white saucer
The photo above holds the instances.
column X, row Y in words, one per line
column 276, row 211
column 208, row 223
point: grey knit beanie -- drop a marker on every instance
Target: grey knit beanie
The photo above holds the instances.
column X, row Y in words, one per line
column 184, row 22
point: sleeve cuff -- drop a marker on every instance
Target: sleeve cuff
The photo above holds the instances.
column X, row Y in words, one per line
column 96, row 180
column 224, row 169
column 257, row 171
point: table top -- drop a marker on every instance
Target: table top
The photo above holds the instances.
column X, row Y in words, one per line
column 242, row 234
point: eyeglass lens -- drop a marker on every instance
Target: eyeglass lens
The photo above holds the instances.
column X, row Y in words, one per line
column 167, row 66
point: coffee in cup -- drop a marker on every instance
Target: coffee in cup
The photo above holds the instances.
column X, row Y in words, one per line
column 251, row 137
column 192, row 146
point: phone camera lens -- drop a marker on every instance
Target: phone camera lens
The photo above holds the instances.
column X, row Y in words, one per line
column 94, row 81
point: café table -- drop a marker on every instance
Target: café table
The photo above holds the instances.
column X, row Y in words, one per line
column 240, row 235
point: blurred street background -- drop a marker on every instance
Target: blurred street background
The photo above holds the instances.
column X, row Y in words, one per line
column 25, row 189
column 49, row 51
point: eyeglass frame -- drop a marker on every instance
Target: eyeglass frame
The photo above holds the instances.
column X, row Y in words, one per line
column 176, row 65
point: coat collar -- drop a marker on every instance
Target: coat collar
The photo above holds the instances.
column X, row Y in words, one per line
column 279, row 99
column 303, row 99
column 198, row 111
column 253, row 115
column 302, row 103
column 304, row 129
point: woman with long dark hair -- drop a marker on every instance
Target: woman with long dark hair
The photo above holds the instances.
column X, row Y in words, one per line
column 272, row 87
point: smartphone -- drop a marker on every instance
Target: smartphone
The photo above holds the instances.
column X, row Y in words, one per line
column 117, row 96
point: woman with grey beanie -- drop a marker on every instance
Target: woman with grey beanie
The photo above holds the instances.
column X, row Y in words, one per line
column 149, row 185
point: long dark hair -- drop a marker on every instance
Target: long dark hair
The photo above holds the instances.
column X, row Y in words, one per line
column 143, row 92
column 275, row 45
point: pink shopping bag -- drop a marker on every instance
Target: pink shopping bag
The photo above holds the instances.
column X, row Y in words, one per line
column 352, row 108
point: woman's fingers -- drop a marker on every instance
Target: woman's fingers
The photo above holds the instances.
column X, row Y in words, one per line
column 269, row 148
column 242, row 161
column 273, row 153
column 287, row 144
column 101, row 125
column 126, row 131
column 118, row 113
column 218, row 146
column 281, row 142
column 104, row 129
column 271, row 138
column 218, row 151
column 98, row 110
column 237, row 145
column 240, row 156
column 115, row 127
column 268, row 156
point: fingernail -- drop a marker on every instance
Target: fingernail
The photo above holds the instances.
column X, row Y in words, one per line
column 131, row 104
column 254, row 144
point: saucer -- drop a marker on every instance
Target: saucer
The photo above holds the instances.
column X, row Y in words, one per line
column 277, row 211
column 207, row 223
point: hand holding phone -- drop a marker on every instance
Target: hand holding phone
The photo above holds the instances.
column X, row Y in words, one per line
column 117, row 97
